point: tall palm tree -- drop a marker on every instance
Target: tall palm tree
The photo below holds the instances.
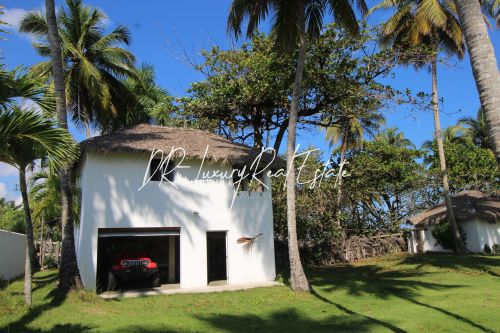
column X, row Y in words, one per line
column 476, row 129
column 94, row 62
column 68, row 269
column 292, row 23
column 484, row 64
column 393, row 137
column 25, row 137
column 431, row 24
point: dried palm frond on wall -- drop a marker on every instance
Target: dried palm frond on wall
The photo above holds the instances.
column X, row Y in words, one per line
column 248, row 242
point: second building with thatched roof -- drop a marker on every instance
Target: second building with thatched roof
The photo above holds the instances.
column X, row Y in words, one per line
column 477, row 214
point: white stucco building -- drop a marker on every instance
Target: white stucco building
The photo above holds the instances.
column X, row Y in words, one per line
column 192, row 225
column 476, row 213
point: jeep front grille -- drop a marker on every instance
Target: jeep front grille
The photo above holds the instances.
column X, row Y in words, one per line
column 133, row 264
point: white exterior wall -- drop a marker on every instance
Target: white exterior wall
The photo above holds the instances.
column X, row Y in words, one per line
column 478, row 233
column 13, row 248
column 110, row 199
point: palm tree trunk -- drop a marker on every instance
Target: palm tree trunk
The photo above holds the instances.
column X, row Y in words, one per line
column 484, row 66
column 298, row 279
column 68, row 270
column 343, row 150
column 459, row 245
column 30, row 245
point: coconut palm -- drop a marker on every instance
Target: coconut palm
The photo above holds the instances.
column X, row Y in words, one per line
column 26, row 137
column 292, row 23
column 393, row 137
column 68, row 268
column 431, row 25
column 94, row 63
column 476, row 130
column 484, row 63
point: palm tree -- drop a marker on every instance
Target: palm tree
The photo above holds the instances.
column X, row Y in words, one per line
column 348, row 130
column 94, row 63
column 25, row 137
column 292, row 23
column 451, row 134
column 427, row 24
column 393, row 137
column 484, row 64
column 19, row 84
column 68, row 269
column 476, row 130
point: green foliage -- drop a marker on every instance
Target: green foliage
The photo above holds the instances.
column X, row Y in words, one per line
column 487, row 249
column 11, row 216
column 496, row 248
column 247, row 91
column 95, row 64
column 469, row 167
column 381, row 191
column 442, row 233
column 26, row 136
column 50, row 262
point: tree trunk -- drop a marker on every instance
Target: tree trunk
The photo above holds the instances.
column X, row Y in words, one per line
column 459, row 245
column 484, row 66
column 279, row 136
column 343, row 150
column 30, row 245
column 68, row 270
column 298, row 279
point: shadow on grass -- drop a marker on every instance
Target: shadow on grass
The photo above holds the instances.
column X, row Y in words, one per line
column 54, row 299
column 404, row 284
column 490, row 265
column 290, row 320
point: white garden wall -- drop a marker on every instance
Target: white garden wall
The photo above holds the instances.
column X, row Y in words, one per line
column 110, row 199
column 12, row 258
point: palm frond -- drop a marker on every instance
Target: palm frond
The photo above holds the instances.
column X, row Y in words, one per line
column 248, row 242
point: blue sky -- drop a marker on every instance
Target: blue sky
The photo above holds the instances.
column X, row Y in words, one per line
column 163, row 30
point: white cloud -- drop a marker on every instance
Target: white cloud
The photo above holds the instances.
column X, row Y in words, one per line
column 7, row 170
column 13, row 17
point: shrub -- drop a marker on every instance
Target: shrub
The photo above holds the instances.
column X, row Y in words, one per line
column 496, row 248
column 442, row 233
column 487, row 249
column 50, row 262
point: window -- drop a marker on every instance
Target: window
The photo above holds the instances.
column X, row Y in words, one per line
column 249, row 183
column 156, row 172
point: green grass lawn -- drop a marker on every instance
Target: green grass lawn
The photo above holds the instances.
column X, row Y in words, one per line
column 428, row 293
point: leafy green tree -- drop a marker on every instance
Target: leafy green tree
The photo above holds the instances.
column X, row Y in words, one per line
column 432, row 25
column 470, row 167
column 382, row 186
column 94, row 63
column 25, row 137
column 291, row 24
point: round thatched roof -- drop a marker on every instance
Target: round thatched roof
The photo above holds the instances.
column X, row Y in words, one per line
column 466, row 205
column 144, row 138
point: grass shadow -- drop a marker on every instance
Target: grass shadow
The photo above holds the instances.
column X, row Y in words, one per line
column 405, row 282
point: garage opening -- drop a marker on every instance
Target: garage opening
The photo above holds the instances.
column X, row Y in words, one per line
column 137, row 258
column 216, row 258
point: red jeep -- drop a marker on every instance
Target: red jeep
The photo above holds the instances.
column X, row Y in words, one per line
column 132, row 263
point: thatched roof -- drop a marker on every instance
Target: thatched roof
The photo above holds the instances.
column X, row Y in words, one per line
column 466, row 205
column 144, row 138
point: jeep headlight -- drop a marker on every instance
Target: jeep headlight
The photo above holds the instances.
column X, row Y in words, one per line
column 125, row 263
column 145, row 262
